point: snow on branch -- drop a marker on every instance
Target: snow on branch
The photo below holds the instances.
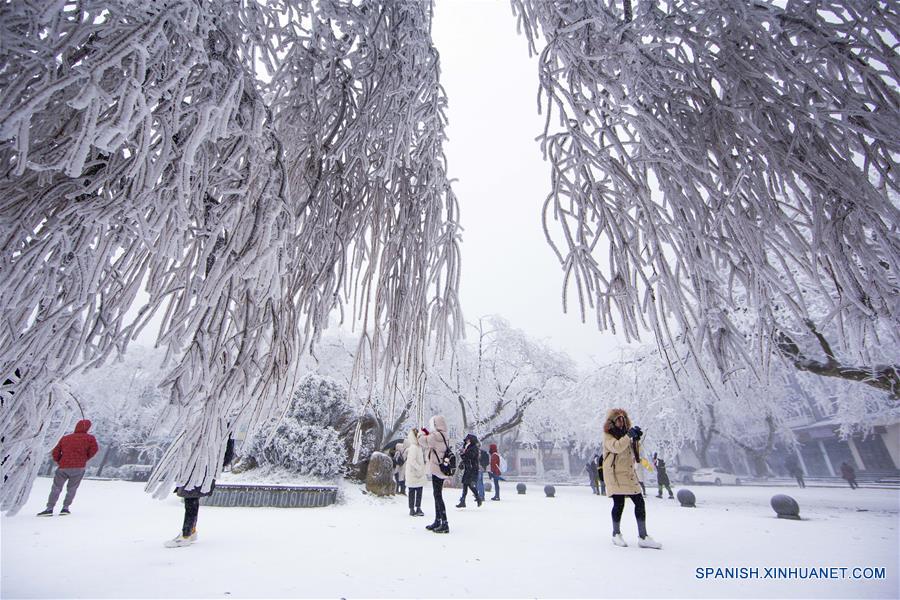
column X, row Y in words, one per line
column 713, row 155
column 252, row 166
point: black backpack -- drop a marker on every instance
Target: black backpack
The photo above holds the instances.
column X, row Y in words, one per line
column 484, row 459
column 447, row 463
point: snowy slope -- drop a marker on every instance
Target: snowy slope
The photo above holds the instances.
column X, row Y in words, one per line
column 523, row 546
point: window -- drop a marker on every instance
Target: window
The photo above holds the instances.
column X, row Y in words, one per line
column 527, row 463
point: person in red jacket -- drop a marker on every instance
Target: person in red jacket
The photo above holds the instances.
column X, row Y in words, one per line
column 495, row 471
column 70, row 455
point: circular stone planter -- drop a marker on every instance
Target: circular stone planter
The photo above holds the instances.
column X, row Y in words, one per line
column 270, row 495
column 550, row 491
column 785, row 507
column 520, row 487
column 687, row 498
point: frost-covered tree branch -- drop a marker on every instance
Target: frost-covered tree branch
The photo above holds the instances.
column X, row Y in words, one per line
column 882, row 377
column 251, row 166
column 708, row 156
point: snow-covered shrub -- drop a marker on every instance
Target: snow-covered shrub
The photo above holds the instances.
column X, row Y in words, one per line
column 320, row 400
column 304, row 441
column 306, row 449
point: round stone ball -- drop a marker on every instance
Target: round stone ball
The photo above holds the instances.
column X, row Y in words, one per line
column 785, row 507
column 687, row 498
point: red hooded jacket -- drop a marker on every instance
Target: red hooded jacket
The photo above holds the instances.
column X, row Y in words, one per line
column 74, row 450
column 495, row 461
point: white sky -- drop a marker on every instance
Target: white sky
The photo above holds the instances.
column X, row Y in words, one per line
column 507, row 266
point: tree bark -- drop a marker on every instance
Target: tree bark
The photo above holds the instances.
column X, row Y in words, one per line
column 882, row 377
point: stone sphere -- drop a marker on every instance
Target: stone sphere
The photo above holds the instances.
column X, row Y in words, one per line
column 520, row 487
column 550, row 491
column 488, row 486
column 380, row 475
column 687, row 498
column 785, row 507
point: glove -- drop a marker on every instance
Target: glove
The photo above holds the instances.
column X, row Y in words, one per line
column 635, row 433
column 425, row 430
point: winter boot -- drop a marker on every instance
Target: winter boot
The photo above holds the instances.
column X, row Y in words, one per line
column 64, row 512
column 649, row 542
column 412, row 512
column 462, row 504
column 479, row 501
column 618, row 540
column 442, row 528
column 47, row 512
column 434, row 525
column 419, row 513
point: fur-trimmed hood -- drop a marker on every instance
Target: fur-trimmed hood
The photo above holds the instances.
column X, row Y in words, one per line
column 612, row 415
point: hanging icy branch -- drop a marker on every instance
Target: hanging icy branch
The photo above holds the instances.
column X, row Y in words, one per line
column 707, row 155
column 252, row 166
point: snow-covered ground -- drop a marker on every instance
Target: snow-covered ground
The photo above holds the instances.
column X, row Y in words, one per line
column 522, row 546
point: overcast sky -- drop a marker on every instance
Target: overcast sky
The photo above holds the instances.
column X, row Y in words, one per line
column 507, row 266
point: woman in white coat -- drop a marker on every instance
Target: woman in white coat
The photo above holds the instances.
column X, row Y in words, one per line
column 416, row 476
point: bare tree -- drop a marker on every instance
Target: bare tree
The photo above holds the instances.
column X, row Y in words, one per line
column 495, row 381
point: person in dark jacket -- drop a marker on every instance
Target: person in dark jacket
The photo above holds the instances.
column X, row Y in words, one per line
column 192, row 497
column 593, row 470
column 662, row 477
column 793, row 467
column 849, row 474
column 484, row 464
column 470, row 454
column 70, row 454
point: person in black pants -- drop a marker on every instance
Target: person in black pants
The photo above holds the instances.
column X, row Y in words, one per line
column 662, row 477
column 621, row 449
column 793, row 467
column 470, row 454
column 435, row 443
column 192, row 497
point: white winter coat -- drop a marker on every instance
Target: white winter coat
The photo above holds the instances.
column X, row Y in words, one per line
column 415, row 470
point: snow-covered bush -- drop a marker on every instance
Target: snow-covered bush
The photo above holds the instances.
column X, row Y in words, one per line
column 306, row 449
column 304, row 440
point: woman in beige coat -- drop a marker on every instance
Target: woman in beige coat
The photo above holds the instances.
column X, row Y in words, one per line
column 434, row 442
column 621, row 447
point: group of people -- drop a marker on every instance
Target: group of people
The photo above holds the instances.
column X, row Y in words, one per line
column 793, row 467
column 420, row 458
column 425, row 455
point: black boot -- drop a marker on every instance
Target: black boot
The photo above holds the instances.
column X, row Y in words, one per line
column 412, row 512
column 462, row 504
column 434, row 525
column 442, row 528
